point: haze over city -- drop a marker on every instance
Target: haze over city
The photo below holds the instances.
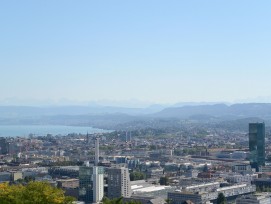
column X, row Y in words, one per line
column 155, row 52
column 135, row 102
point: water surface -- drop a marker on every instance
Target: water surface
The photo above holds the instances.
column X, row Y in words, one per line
column 42, row 130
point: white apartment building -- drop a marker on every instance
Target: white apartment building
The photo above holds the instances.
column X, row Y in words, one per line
column 98, row 184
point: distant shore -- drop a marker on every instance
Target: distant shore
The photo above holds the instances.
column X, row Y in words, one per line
column 43, row 130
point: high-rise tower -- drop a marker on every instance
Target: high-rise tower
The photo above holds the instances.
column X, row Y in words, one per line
column 91, row 184
column 118, row 182
column 86, row 184
column 3, row 145
column 88, row 140
column 257, row 145
column 91, row 180
column 98, row 184
column 96, row 162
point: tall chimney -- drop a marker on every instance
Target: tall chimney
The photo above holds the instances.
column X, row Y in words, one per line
column 96, row 151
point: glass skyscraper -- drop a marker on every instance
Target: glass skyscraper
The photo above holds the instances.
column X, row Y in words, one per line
column 3, row 145
column 91, row 184
column 86, row 184
column 257, row 145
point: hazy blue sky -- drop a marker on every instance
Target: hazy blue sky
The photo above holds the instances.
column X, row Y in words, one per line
column 150, row 50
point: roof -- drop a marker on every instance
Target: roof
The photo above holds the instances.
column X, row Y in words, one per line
column 151, row 189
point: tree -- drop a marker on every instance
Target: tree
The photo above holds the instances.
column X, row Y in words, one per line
column 133, row 202
column 152, row 147
column 164, row 181
column 32, row 193
column 168, row 201
column 221, row 199
column 118, row 201
column 205, row 168
column 187, row 202
column 134, row 176
column 112, row 201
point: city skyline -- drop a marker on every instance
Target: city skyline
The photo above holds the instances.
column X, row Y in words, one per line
column 118, row 51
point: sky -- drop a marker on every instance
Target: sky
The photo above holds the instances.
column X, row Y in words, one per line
column 150, row 51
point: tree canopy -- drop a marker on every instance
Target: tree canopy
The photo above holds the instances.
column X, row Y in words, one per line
column 134, row 176
column 221, row 199
column 164, row 180
column 118, row 201
column 32, row 193
column 112, row 201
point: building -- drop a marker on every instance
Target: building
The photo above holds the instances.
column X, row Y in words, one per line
column 12, row 148
column 91, row 184
column 145, row 200
column 10, row 176
column 142, row 188
column 258, row 198
column 192, row 173
column 121, row 160
column 155, row 172
column 202, row 187
column 133, row 163
column 239, row 178
column 88, row 138
column 86, row 184
column 97, row 153
column 262, row 183
column 98, row 184
column 203, row 196
column 239, row 155
column 171, row 167
column 206, row 175
column 119, row 182
column 16, row 175
column 68, row 183
column 181, row 197
column 241, row 168
column 70, row 171
column 3, row 145
column 265, row 168
column 5, row 177
column 257, row 145
column 91, row 180
column 70, row 187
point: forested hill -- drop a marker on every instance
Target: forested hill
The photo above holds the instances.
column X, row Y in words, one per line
column 262, row 110
column 237, row 115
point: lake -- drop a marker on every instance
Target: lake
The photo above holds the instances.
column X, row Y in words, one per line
column 43, row 130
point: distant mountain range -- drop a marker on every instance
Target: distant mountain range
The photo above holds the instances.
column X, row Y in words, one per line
column 30, row 111
column 118, row 117
column 234, row 111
